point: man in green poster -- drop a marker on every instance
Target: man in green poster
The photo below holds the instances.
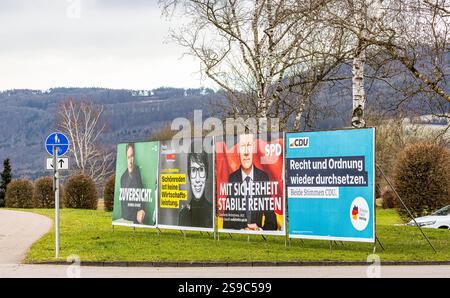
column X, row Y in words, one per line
column 131, row 182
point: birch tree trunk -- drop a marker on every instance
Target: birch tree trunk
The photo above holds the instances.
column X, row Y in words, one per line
column 359, row 93
column 298, row 117
column 359, row 59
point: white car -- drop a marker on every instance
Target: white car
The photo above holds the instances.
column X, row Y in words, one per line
column 437, row 220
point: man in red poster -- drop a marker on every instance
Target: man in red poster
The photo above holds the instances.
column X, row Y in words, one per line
column 247, row 176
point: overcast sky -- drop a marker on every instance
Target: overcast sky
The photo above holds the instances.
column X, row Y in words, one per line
column 90, row 43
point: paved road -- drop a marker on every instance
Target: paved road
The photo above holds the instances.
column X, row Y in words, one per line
column 18, row 231
column 217, row 272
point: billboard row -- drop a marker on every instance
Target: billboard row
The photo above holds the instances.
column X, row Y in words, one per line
column 239, row 183
column 330, row 187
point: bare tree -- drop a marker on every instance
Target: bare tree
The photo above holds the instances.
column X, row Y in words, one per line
column 81, row 121
column 358, row 18
column 420, row 42
column 408, row 34
column 269, row 56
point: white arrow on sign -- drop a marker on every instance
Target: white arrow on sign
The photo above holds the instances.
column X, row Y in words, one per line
column 63, row 163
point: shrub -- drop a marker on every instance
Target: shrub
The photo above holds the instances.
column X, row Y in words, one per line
column 421, row 176
column 80, row 193
column 43, row 194
column 108, row 193
column 19, row 194
column 389, row 199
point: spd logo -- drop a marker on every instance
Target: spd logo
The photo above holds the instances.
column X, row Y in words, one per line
column 299, row 142
column 273, row 150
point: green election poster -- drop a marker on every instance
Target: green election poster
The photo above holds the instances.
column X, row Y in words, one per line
column 135, row 190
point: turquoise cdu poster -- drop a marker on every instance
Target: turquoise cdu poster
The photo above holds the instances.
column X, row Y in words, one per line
column 330, row 184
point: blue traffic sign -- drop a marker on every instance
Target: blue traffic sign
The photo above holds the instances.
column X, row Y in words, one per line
column 57, row 139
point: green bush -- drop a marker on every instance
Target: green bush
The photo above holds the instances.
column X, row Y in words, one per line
column 389, row 199
column 421, row 176
column 43, row 195
column 80, row 193
column 19, row 194
column 108, row 193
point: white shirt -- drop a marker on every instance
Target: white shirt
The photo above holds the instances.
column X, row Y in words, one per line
column 245, row 175
column 250, row 181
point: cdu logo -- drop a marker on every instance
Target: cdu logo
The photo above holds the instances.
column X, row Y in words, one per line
column 299, row 142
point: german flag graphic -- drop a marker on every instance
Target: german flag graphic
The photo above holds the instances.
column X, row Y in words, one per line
column 355, row 212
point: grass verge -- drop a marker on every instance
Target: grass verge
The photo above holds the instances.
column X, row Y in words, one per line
column 89, row 235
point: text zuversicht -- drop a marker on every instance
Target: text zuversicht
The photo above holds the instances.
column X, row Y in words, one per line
column 135, row 194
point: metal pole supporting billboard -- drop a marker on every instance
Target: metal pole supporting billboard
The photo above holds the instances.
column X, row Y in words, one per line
column 214, row 187
column 285, row 223
column 406, row 208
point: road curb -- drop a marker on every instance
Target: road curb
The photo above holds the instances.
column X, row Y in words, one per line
column 243, row 264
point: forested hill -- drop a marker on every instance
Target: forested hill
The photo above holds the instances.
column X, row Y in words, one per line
column 28, row 116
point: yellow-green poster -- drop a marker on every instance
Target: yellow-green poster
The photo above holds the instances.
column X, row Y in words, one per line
column 186, row 186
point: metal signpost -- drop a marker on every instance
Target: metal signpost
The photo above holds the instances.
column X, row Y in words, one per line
column 57, row 144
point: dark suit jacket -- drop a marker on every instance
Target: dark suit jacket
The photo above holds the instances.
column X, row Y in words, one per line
column 198, row 214
column 133, row 181
column 270, row 222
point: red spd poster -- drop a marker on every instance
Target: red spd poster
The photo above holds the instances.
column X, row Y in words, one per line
column 250, row 184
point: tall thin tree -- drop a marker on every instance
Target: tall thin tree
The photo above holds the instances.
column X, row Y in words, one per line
column 6, row 176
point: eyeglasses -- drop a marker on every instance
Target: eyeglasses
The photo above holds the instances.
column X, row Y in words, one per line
column 201, row 172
